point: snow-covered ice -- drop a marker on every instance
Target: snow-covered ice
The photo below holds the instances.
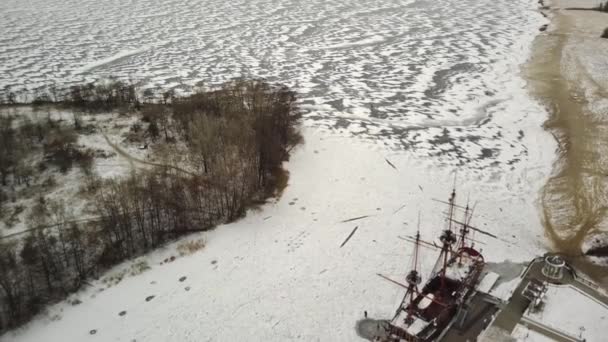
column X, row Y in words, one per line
column 418, row 75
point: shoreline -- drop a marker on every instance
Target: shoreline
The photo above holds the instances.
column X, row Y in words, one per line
column 561, row 74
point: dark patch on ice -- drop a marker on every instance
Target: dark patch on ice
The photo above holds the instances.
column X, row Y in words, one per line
column 307, row 102
column 443, row 79
column 122, row 313
column 187, row 288
column 342, row 123
column 598, row 252
column 487, row 153
column 369, row 328
column 377, row 113
column 93, row 332
column 337, row 104
column 471, row 138
column 398, row 97
column 182, row 278
column 213, row 262
column 149, row 298
column 444, row 138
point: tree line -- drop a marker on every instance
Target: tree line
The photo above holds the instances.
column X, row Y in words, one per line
column 236, row 138
column 100, row 95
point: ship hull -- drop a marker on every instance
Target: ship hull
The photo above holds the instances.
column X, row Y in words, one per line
column 427, row 316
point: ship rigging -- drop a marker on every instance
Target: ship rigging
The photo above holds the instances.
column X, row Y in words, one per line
column 425, row 312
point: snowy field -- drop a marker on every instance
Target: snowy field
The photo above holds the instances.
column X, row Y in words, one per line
column 432, row 87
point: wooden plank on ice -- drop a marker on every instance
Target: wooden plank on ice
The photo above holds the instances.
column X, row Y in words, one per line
column 349, row 236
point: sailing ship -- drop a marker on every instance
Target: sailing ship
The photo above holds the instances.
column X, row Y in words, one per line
column 426, row 313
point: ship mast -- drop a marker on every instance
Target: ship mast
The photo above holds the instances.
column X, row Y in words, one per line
column 413, row 278
column 447, row 236
column 464, row 230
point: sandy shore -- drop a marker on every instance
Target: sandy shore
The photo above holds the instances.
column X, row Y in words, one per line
column 568, row 72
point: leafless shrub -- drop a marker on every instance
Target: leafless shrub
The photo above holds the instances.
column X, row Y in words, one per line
column 190, row 247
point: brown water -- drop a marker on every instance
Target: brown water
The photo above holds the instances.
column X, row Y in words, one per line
column 573, row 201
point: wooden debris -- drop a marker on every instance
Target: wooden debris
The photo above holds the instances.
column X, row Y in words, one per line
column 401, row 207
column 354, row 219
column 349, row 236
column 391, row 164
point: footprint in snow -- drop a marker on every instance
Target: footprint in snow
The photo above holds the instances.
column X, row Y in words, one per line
column 149, row 298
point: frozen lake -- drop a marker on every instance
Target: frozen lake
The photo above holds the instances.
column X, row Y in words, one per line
column 426, row 76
